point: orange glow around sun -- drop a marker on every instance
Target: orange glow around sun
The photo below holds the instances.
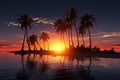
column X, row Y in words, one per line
column 57, row 46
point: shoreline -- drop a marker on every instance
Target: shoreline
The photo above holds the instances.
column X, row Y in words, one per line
column 72, row 53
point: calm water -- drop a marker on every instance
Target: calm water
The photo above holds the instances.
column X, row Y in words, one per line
column 39, row 67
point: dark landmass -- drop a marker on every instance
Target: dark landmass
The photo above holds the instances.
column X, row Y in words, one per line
column 77, row 52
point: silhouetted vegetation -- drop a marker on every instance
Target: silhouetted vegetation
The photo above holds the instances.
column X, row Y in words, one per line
column 24, row 21
column 86, row 23
column 79, row 53
column 34, row 41
column 45, row 37
column 66, row 25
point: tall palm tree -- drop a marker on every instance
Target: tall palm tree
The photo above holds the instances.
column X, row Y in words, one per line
column 33, row 40
column 24, row 21
column 87, row 22
column 61, row 27
column 71, row 15
column 45, row 37
column 82, row 32
column 69, row 30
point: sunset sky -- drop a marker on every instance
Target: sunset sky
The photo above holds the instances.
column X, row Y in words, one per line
column 106, row 31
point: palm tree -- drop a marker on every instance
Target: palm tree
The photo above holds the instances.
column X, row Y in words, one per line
column 61, row 27
column 71, row 15
column 69, row 30
column 33, row 40
column 82, row 32
column 24, row 21
column 87, row 22
column 44, row 37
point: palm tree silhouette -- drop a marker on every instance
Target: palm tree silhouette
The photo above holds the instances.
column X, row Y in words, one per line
column 44, row 37
column 24, row 21
column 69, row 30
column 87, row 22
column 82, row 32
column 71, row 16
column 33, row 40
column 61, row 27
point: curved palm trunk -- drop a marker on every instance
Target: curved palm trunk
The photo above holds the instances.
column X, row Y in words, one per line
column 90, row 38
column 78, row 44
column 71, row 37
column 76, row 33
column 77, row 36
column 24, row 40
column 83, row 40
column 64, row 41
column 27, row 40
column 61, row 39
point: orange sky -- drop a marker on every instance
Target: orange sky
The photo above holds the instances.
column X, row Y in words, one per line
column 105, row 34
column 55, row 44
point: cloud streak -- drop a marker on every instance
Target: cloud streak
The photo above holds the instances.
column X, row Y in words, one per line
column 43, row 20
column 12, row 24
column 111, row 34
column 106, row 34
column 36, row 20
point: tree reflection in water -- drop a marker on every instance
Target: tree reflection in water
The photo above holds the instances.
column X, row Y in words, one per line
column 63, row 71
column 31, row 63
column 43, row 64
column 22, row 74
column 68, row 67
column 70, row 72
column 84, row 72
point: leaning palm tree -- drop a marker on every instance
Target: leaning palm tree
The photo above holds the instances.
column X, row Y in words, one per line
column 61, row 27
column 33, row 40
column 87, row 22
column 71, row 15
column 69, row 30
column 24, row 21
column 82, row 32
column 45, row 37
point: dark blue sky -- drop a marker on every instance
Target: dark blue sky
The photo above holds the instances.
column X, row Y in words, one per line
column 107, row 14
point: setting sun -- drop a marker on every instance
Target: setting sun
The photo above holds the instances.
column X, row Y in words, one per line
column 57, row 46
